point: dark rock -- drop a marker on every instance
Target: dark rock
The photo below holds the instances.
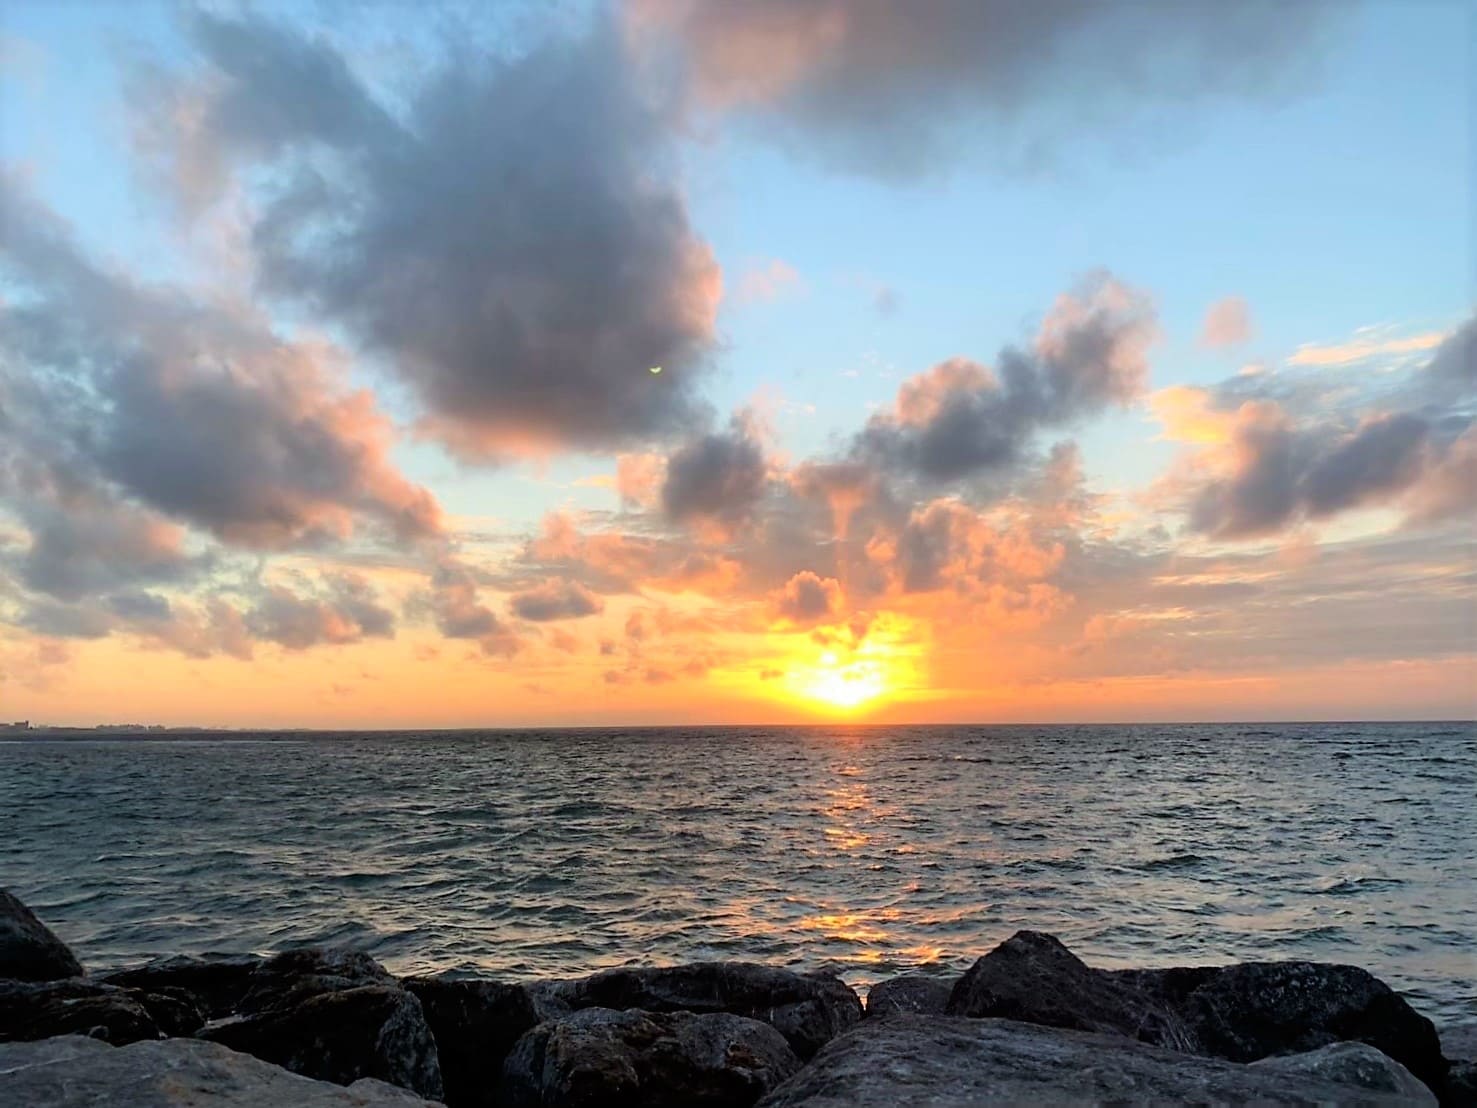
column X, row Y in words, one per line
column 28, row 949
column 910, row 992
column 293, row 976
column 216, row 981
column 1240, row 1013
column 1459, row 1041
column 808, row 1010
column 74, row 1072
column 1356, row 1064
column 42, row 1009
column 908, row 1061
column 1257, row 1009
column 1460, row 1087
column 1033, row 978
column 552, row 999
column 341, row 1036
column 475, row 1024
column 599, row 1057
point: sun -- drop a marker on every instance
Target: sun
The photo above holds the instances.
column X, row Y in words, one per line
column 841, row 685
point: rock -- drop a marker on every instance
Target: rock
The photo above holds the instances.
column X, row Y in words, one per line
column 28, row 949
column 1459, row 1041
column 807, row 1010
column 74, row 1072
column 341, row 1036
column 909, row 1061
column 216, row 981
column 1460, row 1088
column 599, row 1057
column 552, row 999
column 1353, row 1064
column 1033, row 978
column 295, row 975
column 475, row 1024
column 911, row 992
column 1258, row 1009
column 1239, row 1013
column 42, row 1009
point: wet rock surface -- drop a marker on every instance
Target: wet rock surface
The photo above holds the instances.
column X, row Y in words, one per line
column 1240, row 1013
column 807, row 1010
column 28, row 949
column 41, row 1009
column 216, row 981
column 912, row 1061
column 371, row 1031
column 74, row 1072
column 1356, row 1064
column 909, row 993
column 475, row 1024
column 598, row 1056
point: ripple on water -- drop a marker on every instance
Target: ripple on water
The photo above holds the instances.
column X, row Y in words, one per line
column 876, row 850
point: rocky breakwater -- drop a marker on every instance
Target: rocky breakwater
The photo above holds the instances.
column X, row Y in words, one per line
column 1029, row 1022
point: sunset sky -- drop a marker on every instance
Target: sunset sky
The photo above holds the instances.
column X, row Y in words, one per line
column 1059, row 361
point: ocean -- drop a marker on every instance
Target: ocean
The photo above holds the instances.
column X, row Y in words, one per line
column 868, row 850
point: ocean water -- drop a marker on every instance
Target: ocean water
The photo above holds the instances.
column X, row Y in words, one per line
column 869, row 850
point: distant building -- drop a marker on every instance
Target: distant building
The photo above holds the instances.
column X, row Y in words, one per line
column 18, row 725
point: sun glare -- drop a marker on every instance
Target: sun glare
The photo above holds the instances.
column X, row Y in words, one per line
column 841, row 686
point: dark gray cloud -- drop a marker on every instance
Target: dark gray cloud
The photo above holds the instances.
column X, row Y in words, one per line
column 893, row 89
column 961, row 419
column 1282, row 472
column 85, row 547
column 511, row 242
column 348, row 613
column 556, row 599
column 1384, row 455
column 719, row 476
column 116, row 393
column 1290, row 459
column 808, row 598
column 460, row 614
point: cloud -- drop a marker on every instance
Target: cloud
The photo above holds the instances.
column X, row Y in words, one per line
column 349, row 613
column 1370, row 343
column 639, row 479
column 460, row 614
column 959, row 418
column 1227, row 323
column 717, row 477
column 807, row 598
column 511, row 243
column 556, row 599
column 113, row 390
column 895, row 89
column 770, row 281
column 1264, row 466
column 87, row 547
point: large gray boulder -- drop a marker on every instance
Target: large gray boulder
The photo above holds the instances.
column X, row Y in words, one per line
column 341, row 1036
column 218, row 982
column 910, row 992
column 908, row 1061
column 475, row 1024
column 28, row 949
column 1258, row 1009
column 74, row 1072
column 1239, row 1012
column 601, row 1058
column 1357, row 1064
column 1033, row 978
column 808, row 1010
